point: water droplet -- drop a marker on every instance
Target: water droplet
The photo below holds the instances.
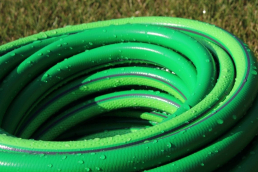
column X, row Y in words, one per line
column 47, row 75
column 64, row 157
column 194, row 111
column 114, row 36
column 234, row 117
column 186, row 106
column 98, row 169
column 220, row 121
column 226, row 70
column 50, row 165
column 59, row 45
column 155, row 141
column 169, row 145
column 202, row 164
column 208, row 60
column 254, row 72
column 104, row 30
column 90, row 43
column 87, row 169
column 102, row 157
column 81, row 162
column 12, row 54
column 41, row 155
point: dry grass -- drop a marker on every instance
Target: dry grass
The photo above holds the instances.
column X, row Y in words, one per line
column 20, row 18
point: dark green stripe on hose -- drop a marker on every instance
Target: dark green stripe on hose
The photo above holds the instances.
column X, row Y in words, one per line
column 152, row 93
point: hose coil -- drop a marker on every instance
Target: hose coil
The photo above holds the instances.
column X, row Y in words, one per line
column 134, row 94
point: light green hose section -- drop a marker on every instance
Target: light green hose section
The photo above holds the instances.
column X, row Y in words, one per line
column 136, row 94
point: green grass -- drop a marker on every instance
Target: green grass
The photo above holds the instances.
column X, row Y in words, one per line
column 20, row 18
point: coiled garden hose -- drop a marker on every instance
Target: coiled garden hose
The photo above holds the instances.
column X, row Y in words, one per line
column 134, row 94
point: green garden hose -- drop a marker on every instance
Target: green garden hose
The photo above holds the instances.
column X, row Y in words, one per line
column 134, row 94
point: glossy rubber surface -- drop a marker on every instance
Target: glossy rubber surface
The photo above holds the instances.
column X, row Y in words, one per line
column 136, row 94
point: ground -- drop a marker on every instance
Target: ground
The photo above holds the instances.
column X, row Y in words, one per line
column 20, row 18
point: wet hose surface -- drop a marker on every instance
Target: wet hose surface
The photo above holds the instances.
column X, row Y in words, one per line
column 135, row 94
